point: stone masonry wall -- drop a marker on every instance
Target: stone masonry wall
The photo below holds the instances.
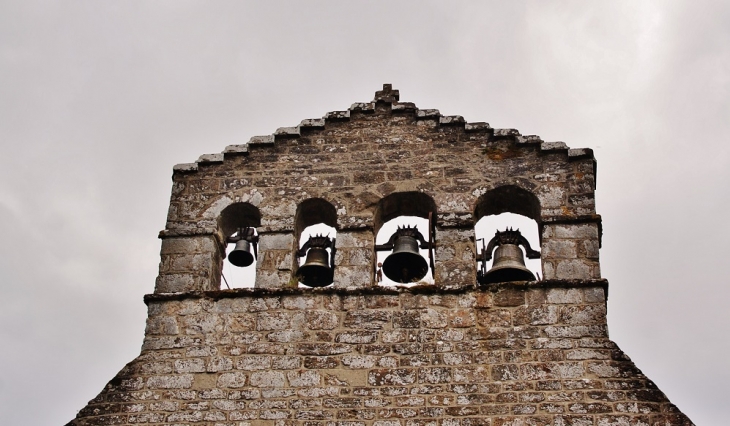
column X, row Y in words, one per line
column 530, row 354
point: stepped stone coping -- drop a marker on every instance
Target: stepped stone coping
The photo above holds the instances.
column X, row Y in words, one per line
column 451, row 119
column 362, row 107
column 185, row 167
column 261, row 140
column 312, row 123
column 236, row 149
column 387, row 95
column 337, row 115
column 580, row 152
column 506, row 132
column 287, row 131
column 404, row 106
column 529, row 139
column 210, row 158
column 427, row 113
column 477, row 126
column 553, row 146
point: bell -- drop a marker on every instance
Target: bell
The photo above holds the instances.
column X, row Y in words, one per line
column 241, row 255
column 316, row 271
column 405, row 264
column 509, row 265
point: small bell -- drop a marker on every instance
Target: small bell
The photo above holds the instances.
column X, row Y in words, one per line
column 241, row 255
column 317, row 270
column 509, row 263
column 405, row 264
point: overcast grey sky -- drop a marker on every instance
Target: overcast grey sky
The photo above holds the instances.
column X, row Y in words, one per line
column 98, row 100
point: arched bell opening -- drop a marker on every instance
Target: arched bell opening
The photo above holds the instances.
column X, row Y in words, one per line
column 507, row 236
column 314, row 228
column 404, row 238
column 237, row 225
column 486, row 230
column 315, row 264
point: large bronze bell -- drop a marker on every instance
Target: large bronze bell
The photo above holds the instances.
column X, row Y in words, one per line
column 509, row 262
column 245, row 239
column 241, row 255
column 509, row 265
column 405, row 264
column 317, row 270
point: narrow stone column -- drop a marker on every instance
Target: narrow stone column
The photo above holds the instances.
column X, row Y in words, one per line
column 454, row 259
column 570, row 251
column 189, row 263
column 354, row 259
column 274, row 267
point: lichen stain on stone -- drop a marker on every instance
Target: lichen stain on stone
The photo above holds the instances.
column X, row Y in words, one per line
column 500, row 153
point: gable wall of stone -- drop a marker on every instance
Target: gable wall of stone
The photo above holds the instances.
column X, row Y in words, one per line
column 511, row 355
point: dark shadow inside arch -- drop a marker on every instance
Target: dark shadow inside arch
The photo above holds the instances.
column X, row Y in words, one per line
column 407, row 209
column 403, row 204
column 232, row 219
column 314, row 211
column 238, row 215
column 506, row 207
column 508, row 199
column 315, row 223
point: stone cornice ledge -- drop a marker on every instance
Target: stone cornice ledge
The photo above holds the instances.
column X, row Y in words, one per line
column 375, row 290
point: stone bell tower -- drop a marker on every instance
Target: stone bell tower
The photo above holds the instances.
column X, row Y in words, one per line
column 345, row 350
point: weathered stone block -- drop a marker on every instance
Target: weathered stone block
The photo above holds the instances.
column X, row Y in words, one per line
column 201, row 324
column 274, row 279
column 183, row 381
column 161, row 325
column 594, row 295
column 576, row 331
column 552, row 370
column 273, row 321
column 219, row 363
column 175, row 283
column 268, row 379
column 536, row 315
column 253, row 362
column 560, row 249
column 431, row 318
column 392, row 376
column 276, row 241
column 305, row 378
column 584, row 231
column 194, row 365
column 320, row 320
column 575, row 270
column 565, row 295
column 509, row 297
column 583, row 314
column 353, row 276
column 356, row 337
column 371, row 319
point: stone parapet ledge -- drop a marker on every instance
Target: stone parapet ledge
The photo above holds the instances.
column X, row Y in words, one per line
column 377, row 290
